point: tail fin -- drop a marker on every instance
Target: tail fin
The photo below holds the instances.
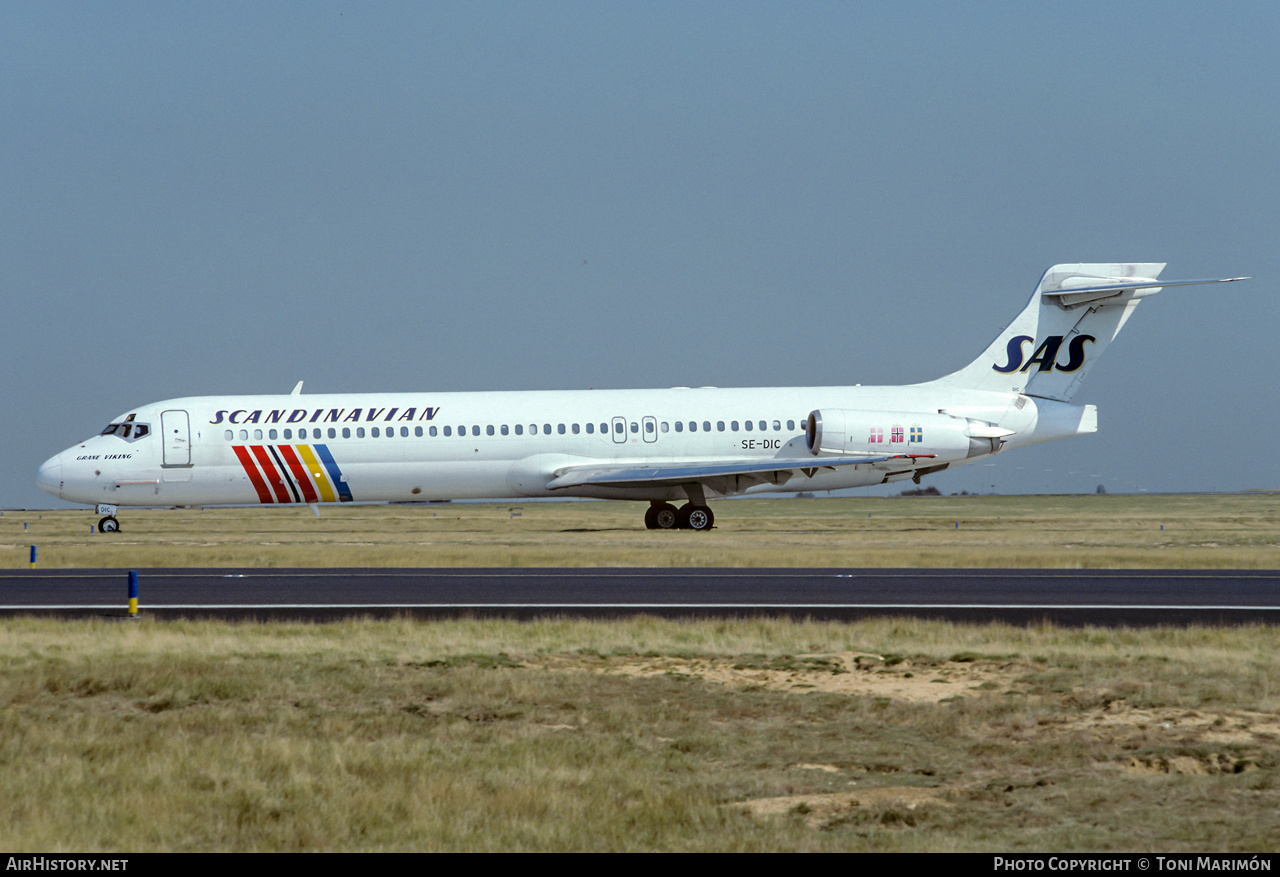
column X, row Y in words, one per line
column 1075, row 312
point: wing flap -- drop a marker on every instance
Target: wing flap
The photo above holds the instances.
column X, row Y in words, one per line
column 777, row 470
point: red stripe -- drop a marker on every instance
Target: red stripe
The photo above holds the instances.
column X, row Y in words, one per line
column 264, row 495
column 299, row 473
column 273, row 474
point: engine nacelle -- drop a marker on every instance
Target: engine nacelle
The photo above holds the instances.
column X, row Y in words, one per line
column 846, row 431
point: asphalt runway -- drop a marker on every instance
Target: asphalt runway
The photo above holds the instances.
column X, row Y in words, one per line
column 1135, row 598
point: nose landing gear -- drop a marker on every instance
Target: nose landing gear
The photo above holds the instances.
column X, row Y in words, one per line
column 108, row 524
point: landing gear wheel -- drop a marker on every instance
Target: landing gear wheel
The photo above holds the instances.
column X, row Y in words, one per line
column 696, row 517
column 109, row 525
column 661, row 517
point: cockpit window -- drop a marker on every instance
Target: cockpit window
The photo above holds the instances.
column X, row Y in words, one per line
column 128, row 431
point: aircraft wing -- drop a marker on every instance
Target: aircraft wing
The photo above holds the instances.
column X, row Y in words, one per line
column 776, row 471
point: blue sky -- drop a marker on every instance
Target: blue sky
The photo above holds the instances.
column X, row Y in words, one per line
column 228, row 198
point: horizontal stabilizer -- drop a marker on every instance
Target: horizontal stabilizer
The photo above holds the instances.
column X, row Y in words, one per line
column 1072, row 295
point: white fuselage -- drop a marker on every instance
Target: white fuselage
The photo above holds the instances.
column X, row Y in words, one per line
column 233, row 450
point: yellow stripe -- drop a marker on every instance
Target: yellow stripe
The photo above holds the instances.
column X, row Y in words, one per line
column 317, row 473
column 133, row 605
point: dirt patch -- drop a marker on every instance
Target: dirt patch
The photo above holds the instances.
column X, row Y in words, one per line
column 842, row 673
column 1204, row 765
column 820, row 811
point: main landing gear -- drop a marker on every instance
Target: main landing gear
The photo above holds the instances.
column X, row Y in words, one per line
column 690, row 516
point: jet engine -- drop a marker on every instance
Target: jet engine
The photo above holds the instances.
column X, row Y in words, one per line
column 945, row 436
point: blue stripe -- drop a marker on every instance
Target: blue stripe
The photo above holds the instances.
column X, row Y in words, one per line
column 335, row 474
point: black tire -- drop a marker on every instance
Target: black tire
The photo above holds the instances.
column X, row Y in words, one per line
column 109, row 525
column 699, row 518
column 665, row 517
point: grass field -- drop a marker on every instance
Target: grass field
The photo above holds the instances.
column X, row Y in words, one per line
column 646, row 734
column 637, row 735
column 1202, row 531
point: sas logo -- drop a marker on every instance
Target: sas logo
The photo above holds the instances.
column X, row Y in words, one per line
column 1046, row 355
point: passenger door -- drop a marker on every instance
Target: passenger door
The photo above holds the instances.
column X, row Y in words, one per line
column 175, row 429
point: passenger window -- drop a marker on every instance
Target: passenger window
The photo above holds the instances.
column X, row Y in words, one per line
column 505, row 430
column 257, row 435
column 431, row 430
column 560, row 428
column 591, row 429
column 635, row 427
column 360, row 432
column 648, row 427
column 604, row 429
column 333, row 433
column 448, row 430
column 488, row 430
column 777, row 426
column 664, row 426
column 748, row 425
column 288, row 434
column 693, row 426
column 228, row 435
column 346, row 432
column 475, row 430
column 719, row 426
column 244, row 435
column 404, row 431
column 417, row 431
column 733, row 425
column 706, row 426
column 575, row 429
column 271, row 434
column 519, row 429
column 679, row 426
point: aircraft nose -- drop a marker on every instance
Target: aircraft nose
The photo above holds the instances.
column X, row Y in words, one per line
column 49, row 475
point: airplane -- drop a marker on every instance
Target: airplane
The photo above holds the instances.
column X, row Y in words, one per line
column 675, row 448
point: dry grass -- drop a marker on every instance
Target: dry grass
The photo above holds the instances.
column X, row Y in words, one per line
column 645, row 734
column 1220, row 531
column 638, row 735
